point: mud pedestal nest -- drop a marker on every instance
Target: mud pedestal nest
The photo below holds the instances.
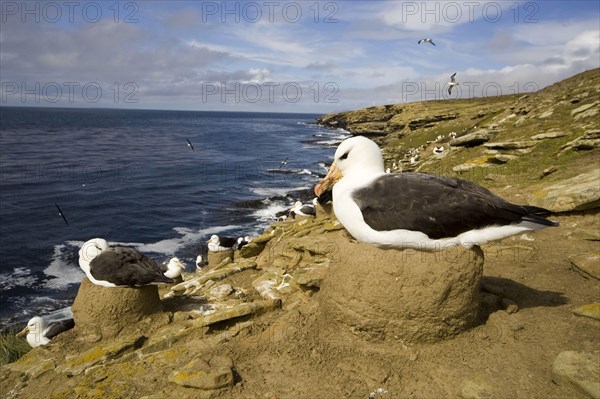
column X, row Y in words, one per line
column 403, row 295
column 103, row 312
column 214, row 258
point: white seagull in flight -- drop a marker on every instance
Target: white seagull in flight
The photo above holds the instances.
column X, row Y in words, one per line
column 452, row 83
column 426, row 41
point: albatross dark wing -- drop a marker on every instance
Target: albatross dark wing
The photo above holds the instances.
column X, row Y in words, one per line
column 59, row 327
column 438, row 206
column 227, row 242
column 125, row 266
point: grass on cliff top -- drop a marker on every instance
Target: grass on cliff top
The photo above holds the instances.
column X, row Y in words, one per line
column 11, row 347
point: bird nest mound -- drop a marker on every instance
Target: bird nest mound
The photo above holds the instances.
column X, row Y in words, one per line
column 403, row 295
column 103, row 312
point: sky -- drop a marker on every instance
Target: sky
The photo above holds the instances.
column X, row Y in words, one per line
column 286, row 56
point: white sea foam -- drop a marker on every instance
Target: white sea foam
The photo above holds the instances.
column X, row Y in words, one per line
column 64, row 271
column 267, row 214
column 270, row 192
column 168, row 246
column 20, row 277
column 187, row 236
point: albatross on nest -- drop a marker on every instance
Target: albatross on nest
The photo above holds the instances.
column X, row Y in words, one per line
column 417, row 210
column 220, row 244
column 301, row 209
column 40, row 330
column 122, row 267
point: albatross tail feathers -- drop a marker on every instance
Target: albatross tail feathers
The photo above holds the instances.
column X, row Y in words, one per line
column 536, row 217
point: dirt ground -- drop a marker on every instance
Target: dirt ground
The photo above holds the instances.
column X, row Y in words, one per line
column 296, row 353
column 505, row 356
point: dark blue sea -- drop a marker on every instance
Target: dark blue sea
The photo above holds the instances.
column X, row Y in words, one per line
column 129, row 176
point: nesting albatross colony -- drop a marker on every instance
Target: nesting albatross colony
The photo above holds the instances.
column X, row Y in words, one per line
column 473, row 283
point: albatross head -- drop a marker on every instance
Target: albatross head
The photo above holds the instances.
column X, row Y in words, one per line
column 89, row 250
column 355, row 156
column 34, row 329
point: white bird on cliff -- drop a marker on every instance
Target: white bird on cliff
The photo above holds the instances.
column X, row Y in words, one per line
column 173, row 268
column 122, row 266
column 220, row 244
column 301, row 209
column 418, row 210
column 39, row 332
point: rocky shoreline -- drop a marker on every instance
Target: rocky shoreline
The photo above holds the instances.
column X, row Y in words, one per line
column 304, row 311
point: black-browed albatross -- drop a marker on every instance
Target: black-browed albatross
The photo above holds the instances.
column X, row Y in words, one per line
column 122, row 266
column 417, row 210
column 41, row 330
column 189, row 144
column 300, row 209
column 61, row 214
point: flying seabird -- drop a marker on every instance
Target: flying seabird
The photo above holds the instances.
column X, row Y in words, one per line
column 418, row 210
column 284, row 162
column 61, row 214
column 40, row 330
column 119, row 266
column 438, row 150
column 301, row 209
column 189, row 144
column 220, row 244
column 452, row 83
column 426, row 41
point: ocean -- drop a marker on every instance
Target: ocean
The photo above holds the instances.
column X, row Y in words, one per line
column 130, row 177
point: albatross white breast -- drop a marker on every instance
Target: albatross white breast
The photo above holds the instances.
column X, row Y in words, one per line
column 417, row 210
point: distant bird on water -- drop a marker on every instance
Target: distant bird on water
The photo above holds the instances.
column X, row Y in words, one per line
column 61, row 214
column 189, row 144
column 426, row 41
column 452, row 83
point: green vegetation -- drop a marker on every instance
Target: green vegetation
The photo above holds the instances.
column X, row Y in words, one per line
column 11, row 347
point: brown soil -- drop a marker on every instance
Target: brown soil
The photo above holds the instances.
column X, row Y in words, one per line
column 296, row 352
column 300, row 355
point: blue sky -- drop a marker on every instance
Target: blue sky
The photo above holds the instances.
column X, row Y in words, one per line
column 287, row 56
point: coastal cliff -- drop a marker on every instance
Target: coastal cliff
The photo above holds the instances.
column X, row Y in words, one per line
column 305, row 311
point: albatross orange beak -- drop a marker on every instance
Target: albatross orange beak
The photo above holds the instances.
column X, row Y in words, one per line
column 25, row 331
column 332, row 177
